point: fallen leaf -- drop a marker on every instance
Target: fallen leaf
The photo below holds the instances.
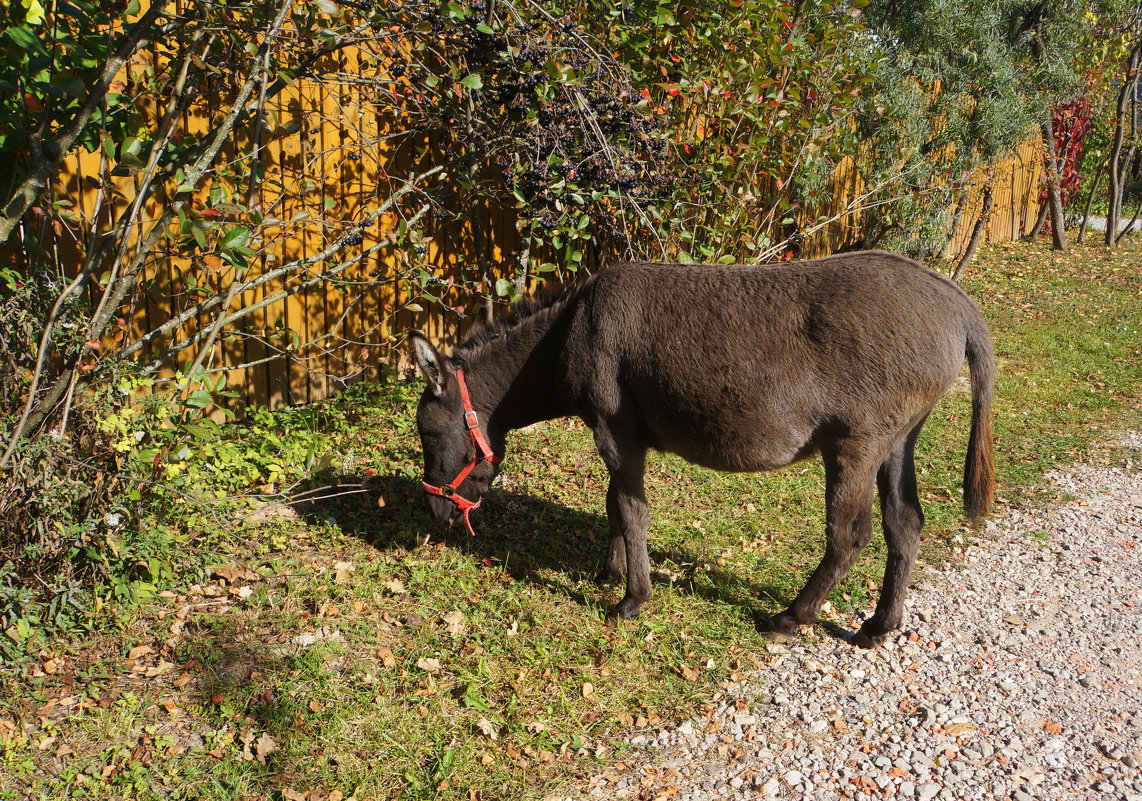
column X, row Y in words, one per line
column 232, row 573
column 264, row 747
column 688, row 673
column 387, row 658
column 245, row 592
column 454, row 623
column 138, row 651
column 395, row 587
column 588, row 689
column 159, row 669
column 291, row 795
column 485, row 725
column 956, row 729
column 315, row 707
column 50, row 666
column 428, row 664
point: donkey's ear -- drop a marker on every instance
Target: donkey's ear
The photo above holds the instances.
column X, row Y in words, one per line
column 429, row 362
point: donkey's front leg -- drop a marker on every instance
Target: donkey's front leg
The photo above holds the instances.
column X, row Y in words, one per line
column 629, row 518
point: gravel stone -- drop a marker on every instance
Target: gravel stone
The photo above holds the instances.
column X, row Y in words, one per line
column 1017, row 675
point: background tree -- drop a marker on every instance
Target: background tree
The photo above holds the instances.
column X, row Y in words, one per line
column 1127, row 132
column 948, row 100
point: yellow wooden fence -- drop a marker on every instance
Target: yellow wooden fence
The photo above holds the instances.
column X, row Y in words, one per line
column 309, row 344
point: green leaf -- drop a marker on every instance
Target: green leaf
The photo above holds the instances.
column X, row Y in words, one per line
column 472, row 81
column 199, row 399
column 503, row 287
column 26, row 39
column 33, row 12
column 236, row 237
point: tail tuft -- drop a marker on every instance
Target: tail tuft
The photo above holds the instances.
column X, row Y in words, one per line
column 979, row 466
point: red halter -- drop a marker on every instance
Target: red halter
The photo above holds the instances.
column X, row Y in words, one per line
column 483, row 453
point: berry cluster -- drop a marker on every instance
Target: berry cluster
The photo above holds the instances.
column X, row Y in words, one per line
column 554, row 116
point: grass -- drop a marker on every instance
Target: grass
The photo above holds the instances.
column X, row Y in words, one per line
column 349, row 649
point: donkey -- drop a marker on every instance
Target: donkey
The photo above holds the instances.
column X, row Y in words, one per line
column 736, row 368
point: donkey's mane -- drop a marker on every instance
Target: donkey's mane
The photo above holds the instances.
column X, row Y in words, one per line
column 548, row 303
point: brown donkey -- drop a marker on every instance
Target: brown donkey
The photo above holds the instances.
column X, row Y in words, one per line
column 735, row 368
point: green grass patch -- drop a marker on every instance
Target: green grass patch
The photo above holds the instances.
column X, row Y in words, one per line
column 349, row 647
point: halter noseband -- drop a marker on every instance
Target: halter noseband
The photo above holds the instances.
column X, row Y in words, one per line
column 483, row 453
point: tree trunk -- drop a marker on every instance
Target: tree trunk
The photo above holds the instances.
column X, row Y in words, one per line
column 1089, row 201
column 957, row 221
column 1050, row 161
column 976, row 234
column 1115, row 165
column 1040, row 221
column 1130, row 225
column 1054, row 199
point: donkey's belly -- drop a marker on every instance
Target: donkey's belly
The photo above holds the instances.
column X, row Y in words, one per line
column 746, row 445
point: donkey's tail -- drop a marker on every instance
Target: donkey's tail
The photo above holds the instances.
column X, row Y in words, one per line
column 979, row 467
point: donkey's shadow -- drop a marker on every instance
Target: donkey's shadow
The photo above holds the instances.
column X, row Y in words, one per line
column 526, row 536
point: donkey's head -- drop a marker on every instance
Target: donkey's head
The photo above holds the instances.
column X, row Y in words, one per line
column 458, row 461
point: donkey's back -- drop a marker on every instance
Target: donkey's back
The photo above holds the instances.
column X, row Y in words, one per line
column 743, row 367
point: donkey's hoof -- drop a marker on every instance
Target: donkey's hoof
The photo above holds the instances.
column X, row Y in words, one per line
column 862, row 639
column 784, row 623
column 624, row 610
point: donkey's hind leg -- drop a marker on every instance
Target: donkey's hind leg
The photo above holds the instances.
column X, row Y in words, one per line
column 902, row 519
column 850, row 468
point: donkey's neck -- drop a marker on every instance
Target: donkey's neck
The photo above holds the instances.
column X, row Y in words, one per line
column 513, row 373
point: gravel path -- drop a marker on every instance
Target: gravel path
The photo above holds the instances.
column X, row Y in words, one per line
column 1018, row 676
column 1099, row 223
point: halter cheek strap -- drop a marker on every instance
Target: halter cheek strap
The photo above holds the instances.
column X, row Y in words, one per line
column 483, row 453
